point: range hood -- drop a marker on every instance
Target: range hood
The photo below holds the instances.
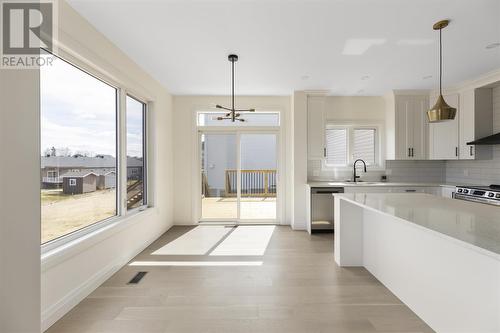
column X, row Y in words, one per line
column 489, row 140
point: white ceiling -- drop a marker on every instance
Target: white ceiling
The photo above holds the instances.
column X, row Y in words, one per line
column 299, row 44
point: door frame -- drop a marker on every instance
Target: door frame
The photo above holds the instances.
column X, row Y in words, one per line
column 238, row 131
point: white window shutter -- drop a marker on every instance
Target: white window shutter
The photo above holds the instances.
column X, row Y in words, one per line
column 336, row 146
column 364, row 145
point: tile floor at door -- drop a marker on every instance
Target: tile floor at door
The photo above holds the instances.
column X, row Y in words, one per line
column 244, row 279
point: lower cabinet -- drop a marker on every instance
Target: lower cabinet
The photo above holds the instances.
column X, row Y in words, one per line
column 447, row 191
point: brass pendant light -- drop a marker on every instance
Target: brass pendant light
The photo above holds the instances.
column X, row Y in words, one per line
column 441, row 111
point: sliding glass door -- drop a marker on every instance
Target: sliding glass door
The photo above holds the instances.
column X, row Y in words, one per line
column 218, row 176
column 258, row 154
column 239, row 176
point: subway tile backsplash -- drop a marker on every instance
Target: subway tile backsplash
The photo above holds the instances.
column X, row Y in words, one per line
column 396, row 171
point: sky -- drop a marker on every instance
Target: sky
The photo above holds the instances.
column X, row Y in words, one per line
column 78, row 112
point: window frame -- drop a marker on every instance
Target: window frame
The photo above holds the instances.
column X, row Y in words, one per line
column 351, row 126
column 72, row 182
column 122, row 90
column 54, row 172
column 145, row 203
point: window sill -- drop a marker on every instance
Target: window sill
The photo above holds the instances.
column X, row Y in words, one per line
column 54, row 256
column 349, row 168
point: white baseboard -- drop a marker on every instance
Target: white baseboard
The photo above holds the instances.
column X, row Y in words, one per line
column 57, row 310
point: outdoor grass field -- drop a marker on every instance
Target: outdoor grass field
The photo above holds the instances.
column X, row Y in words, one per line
column 62, row 214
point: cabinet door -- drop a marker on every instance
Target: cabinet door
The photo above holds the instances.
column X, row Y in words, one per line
column 443, row 136
column 466, row 120
column 315, row 127
column 404, row 132
column 419, row 123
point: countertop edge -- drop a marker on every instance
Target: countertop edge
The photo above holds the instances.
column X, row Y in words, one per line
column 473, row 247
column 381, row 184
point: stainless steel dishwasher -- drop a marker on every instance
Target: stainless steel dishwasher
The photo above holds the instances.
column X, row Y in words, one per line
column 322, row 208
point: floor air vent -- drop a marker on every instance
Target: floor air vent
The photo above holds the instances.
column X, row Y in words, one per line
column 137, row 278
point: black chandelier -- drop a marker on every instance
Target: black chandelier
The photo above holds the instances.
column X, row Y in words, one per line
column 233, row 114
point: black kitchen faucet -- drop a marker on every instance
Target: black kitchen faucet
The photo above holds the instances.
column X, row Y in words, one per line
column 354, row 169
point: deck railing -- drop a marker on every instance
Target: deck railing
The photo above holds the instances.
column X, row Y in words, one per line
column 54, row 180
column 254, row 183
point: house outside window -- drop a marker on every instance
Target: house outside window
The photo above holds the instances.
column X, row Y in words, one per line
column 72, row 182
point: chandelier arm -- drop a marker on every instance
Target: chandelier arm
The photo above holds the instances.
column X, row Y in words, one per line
column 222, row 107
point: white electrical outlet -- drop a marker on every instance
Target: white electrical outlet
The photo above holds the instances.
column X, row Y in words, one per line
column 466, row 172
column 388, row 172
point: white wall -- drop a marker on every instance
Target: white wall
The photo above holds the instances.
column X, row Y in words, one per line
column 185, row 165
column 19, row 201
column 69, row 274
column 299, row 167
column 355, row 107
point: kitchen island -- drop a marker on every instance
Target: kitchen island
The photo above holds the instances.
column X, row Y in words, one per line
column 440, row 256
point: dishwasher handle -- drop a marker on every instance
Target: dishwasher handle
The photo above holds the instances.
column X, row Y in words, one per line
column 328, row 191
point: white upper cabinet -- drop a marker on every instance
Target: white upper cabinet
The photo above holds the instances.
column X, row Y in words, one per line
column 443, row 136
column 448, row 139
column 466, row 134
column 315, row 127
column 476, row 121
column 406, row 126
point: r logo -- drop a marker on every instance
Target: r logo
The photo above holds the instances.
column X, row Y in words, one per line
column 26, row 27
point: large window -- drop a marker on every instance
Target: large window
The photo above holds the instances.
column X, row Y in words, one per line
column 346, row 143
column 136, row 169
column 80, row 148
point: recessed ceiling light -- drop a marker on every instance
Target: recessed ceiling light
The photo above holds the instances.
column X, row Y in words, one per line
column 305, row 77
column 492, row 45
column 365, row 77
column 427, row 77
column 358, row 46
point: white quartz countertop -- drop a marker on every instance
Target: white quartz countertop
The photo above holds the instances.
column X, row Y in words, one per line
column 473, row 223
column 375, row 184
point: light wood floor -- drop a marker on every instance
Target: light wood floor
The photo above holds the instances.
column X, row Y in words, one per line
column 297, row 288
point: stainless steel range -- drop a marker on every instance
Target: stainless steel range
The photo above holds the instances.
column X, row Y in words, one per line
column 483, row 194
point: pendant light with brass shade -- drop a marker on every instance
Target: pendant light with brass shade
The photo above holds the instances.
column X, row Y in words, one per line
column 441, row 111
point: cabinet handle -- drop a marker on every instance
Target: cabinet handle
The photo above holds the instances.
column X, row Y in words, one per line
column 471, row 154
column 412, row 153
column 456, row 151
column 324, row 152
column 409, row 152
